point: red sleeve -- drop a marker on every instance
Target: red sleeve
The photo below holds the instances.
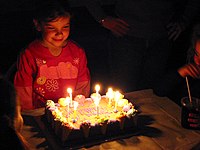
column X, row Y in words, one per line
column 24, row 79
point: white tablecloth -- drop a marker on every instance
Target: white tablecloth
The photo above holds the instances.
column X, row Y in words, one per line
column 158, row 123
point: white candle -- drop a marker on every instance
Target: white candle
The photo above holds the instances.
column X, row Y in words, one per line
column 68, row 101
column 110, row 95
column 69, row 90
column 117, row 97
column 75, row 107
column 96, row 102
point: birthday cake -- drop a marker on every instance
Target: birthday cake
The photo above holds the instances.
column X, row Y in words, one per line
column 90, row 118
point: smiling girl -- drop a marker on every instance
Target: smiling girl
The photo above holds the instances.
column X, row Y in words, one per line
column 52, row 62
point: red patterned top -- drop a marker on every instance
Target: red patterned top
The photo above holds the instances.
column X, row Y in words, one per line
column 42, row 76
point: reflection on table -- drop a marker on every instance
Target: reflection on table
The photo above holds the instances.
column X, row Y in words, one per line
column 158, row 128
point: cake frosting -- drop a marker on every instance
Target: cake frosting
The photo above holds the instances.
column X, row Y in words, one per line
column 90, row 119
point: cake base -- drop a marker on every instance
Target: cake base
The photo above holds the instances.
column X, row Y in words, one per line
column 74, row 143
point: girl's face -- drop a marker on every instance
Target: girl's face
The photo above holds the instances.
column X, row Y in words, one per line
column 197, row 55
column 56, row 32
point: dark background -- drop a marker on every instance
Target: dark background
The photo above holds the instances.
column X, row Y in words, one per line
column 16, row 31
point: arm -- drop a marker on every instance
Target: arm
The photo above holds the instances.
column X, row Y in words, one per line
column 18, row 120
column 23, row 80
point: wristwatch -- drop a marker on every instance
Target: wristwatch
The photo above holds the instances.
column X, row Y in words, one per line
column 102, row 21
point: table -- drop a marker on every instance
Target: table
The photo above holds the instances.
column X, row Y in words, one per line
column 159, row 128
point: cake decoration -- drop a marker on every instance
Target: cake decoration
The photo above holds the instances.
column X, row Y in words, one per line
column 86, row 128
column 97, row 115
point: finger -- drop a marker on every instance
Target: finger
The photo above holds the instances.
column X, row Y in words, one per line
column 170, row 25
column 176, row 35
column 120, row 30
column 172, row 35
column 193, row 71
column 122, row 27
column 116, row 32
column 171, row 30
column 122, row 22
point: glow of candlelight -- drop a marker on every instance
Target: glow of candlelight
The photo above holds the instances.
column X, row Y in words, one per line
column 97, row 88
column 69, row 90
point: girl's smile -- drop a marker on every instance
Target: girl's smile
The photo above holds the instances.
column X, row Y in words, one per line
column 56, row 32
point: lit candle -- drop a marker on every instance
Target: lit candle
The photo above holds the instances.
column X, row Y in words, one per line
column 68, row 101
column 97, row 88
column 75, row 108
column 110, row 95
column 69, row 90
column 96, row 102
column 117, row 97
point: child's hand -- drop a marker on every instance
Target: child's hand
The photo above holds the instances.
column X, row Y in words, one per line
column 191, row 69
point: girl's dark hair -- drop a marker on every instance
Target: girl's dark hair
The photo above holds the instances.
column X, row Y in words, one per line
column 195, row 36
column 48, row 10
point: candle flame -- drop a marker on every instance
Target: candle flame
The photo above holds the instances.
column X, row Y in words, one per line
column 97, row 88
column 69, row 90
column 110, row 93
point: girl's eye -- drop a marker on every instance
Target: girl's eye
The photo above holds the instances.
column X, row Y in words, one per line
column 66, row 26
column 50, row 28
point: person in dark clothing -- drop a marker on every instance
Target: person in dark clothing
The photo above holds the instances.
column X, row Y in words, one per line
column 174, row 83
column 11, row 121
column 140, row 36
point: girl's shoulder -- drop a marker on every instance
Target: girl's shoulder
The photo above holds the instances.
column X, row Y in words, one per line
column 31, row 46
column 34, row 45
column 34, row 48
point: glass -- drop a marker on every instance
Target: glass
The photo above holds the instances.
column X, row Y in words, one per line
column 190, row 113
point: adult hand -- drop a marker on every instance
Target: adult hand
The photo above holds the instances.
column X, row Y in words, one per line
column 174, row 30
column 117, row 26
column 191, row 69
